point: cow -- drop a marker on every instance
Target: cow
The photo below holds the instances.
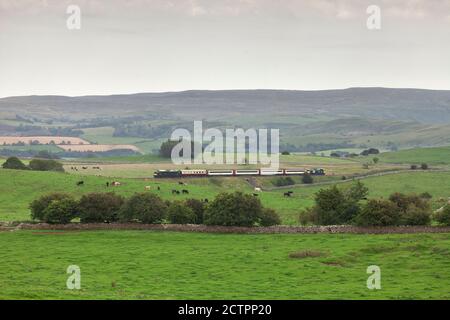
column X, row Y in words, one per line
column 175, row 191
column 287, row 194
column 84, row 168
column 184, row 191
column 159, row 188
column 257, row 189
column 80, row 183
column 115, row 183
column 107, row 184
column 147, row 187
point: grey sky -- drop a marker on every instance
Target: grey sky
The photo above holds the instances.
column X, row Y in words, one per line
column 156, row 45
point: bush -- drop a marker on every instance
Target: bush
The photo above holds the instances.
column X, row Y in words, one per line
column 307, row 179
column 426, row 195
column 100, row 207
column 143, row 207
column 39, row 205
column 308, row 216
column 424, row 166
column 283, row 181
column 285, row 153
column 179, row 213
column 233, row 209
column 414, row 216
column 45, row 165
column 198, row 207
column 413, row 167
column 14, row 163
column 269, row 217
column 60, row 211
column 443, row 217
column 378, row 213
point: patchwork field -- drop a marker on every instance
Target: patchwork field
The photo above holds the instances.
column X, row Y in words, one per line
column 171, row 265
column 98, row 147
column 5, row 140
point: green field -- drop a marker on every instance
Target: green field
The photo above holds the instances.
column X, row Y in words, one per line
column 19, row 188
column 171, row 265
column 433, row 156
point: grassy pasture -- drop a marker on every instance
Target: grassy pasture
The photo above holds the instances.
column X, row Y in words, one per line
column 433, row 156
column 171, row 265
column 18, row 188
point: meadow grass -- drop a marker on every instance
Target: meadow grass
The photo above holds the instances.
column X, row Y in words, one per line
column 172, row 265
column 433, row 156
column 19, row 188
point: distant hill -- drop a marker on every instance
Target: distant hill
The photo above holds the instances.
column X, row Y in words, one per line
column 308, row 120
column 425, row 106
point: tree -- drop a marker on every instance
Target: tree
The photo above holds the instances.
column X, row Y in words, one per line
column 375, row 160
column 307, row 179
column 60, row 211
column 100, row 207
column 39, row 205
column 179, row 213
column 378, row 213
column 198, row 208
column 443, row 216
column 413, row 167
column 283, row 181
column 330, row 206
column 357, row 191
column 46, row 165
column 165, row 150
column 143, row 207
column 415, row 216
column 233, row 209
column 269, row 217
column 424, row 166
column 14, row 163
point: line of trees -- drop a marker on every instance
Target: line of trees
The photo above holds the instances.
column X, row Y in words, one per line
column 35, row 164
column 335, row 206
column 227, row 209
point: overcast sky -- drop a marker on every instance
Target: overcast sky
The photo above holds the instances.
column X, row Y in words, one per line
column 157, row 45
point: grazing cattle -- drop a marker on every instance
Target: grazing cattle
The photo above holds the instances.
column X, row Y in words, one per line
column 159, row 188
column 147, row 187
column 80, row 183
column 115, row 183
column 84, row 168
column 257, row 189
column 181, row 183
column 175, row 191
column 287, row 194
column 184, row 191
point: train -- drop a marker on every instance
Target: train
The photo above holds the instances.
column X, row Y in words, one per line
column 236, row 172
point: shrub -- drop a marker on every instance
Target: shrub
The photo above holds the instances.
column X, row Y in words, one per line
column 45, row 165
column 39, row 205
column 307, row 178
column 233, row 209
column 413, row 167
column 283, row 181
column 269, row 218
column 285, row 153
column 308, row 216
column 424, row 166
column 100, row 207
column 334, row 207
column 378, row 213
column 426, row 195
column 143, row 207
column 60, row 211
column 179, row 213
column 198, row 207
column 443, row 217
column 415, row 216
column 14, row 163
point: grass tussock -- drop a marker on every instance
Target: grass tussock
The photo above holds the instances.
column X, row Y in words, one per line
column 306, row 254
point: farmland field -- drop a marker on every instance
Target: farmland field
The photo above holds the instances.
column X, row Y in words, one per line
column 42, row 140
column 172, row 265
column 18, row 188
column 98, row 147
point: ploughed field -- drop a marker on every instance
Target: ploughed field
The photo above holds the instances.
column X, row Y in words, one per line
column 19, row 188
column 173, row 265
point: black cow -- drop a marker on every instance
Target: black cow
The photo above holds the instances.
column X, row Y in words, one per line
column 80, row 183
column 185, row 191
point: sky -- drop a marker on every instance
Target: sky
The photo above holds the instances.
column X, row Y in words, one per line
column 157, row 45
